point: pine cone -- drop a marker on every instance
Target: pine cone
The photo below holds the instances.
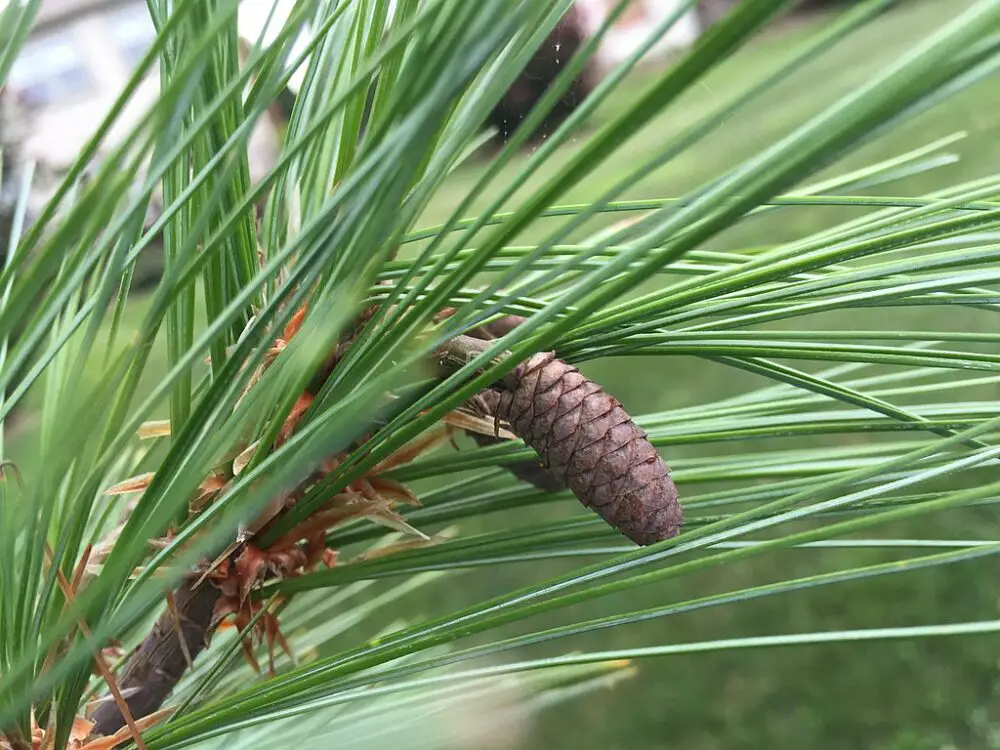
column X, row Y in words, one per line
column 533, row 473
column 587, row 440
column 498, row 328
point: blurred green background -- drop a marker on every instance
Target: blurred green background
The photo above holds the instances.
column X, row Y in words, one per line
column 892, row 696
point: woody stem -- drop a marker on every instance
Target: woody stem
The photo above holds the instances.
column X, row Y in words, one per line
column 461, row 350
column 158, row 663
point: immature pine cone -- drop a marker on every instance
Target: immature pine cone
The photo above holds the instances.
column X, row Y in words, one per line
column 498, row 328
column 590, row 443
column 529, row 471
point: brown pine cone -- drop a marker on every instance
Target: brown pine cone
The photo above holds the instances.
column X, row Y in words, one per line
column 533, row 473
column 587, row 440
column 498, row 328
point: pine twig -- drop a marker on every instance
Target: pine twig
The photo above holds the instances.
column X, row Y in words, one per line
column 585, row 441
column 158, row 663
column 120, row 704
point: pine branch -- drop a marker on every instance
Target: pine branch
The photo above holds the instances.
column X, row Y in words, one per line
column 585, row 439
column 157, row 664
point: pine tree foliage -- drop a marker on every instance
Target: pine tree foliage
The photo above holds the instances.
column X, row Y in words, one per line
column 277, row 431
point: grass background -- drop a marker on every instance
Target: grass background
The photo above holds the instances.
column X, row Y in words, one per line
column 897, row 695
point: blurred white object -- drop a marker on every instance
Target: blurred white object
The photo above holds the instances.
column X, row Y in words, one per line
column 81, row 53
column 262, row 20
column 634, row 27
column 77, row 61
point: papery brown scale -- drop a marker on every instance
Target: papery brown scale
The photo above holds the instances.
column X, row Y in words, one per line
column 299, row 408
column 294, row 324
column 588, row 441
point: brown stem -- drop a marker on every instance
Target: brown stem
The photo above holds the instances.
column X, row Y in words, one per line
column 458, row 352
column 154, row 668
column 184, row 629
